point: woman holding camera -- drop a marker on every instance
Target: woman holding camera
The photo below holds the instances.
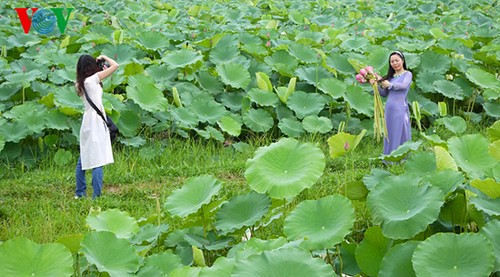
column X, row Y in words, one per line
column 95, row 142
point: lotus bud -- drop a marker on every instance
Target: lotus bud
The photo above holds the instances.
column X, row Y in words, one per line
column 362, row 71
column 346, row 146
column 369, row 69
column 360, row 78
column 268, row 43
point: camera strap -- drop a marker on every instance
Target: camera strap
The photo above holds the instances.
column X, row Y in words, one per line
column 94, row 106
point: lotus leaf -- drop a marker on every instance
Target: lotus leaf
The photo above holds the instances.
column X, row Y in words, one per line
column 487, row 186
column 376, row 177
column 343, row 143
column 371, row 250
column 149, row 233
column 403, row 209
column 494, row 149
column 354, row 43
column 402, row 151
column 449, row 89
column 166, row 262
column 282, row 262
column 492, row 109
column 494, row 131
column 230, row 125
column 448, row 254
column 359, row 100
column 426, row 79
column 490, row 230
column 447, row 180
column 234, row 74
column 321, row 223
column 340, row 63
column 455, row 124
column 115, row 221
column 152, row 40
column 195, row 192
column 423, row 163
column 397, row 261
column 314, row 124
column 284, row 168
column 258, row 120
column 23, row 257
column 222, row 267
column 482, row 78
column 207, row 111
column 303, row 53
column 312, row 74
column 489, row 206
column 110, row 254
column 185, row 271
column 30, row 114
column 470, row 152
column 304, row 104
column 282, row 62
column 443, row 159
column 220, row 54
column 240, row 211
column 333, row 87
column 291, row 127
column 263, row 97
column 143, row 91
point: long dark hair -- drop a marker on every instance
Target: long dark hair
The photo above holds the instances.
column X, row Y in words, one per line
column 86, row 67
column 390, row 70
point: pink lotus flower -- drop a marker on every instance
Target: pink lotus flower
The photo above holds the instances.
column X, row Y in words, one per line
column 362, row 71
column 360, row 78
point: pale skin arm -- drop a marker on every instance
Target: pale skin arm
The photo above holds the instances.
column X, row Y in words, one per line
column 113, row 66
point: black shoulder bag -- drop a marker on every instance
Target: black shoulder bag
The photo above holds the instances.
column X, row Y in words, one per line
column 113, row 130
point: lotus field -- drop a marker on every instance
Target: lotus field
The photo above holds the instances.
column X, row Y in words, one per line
column 230, row 72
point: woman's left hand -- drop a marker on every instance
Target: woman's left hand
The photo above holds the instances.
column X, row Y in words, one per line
column 385, row 84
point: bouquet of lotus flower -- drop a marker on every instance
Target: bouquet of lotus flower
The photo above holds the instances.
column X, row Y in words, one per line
column 367, row 75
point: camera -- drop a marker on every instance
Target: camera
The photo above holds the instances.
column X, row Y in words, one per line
column 101, row 63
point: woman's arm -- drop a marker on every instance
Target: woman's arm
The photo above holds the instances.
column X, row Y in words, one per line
column 113, row 66
column 403, row 84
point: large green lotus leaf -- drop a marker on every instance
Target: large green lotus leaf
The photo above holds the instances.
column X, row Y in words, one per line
column 448, row 254
column 434, row 62
column 129, row 123
column 317, row 124
column 397, row 261
column 282, row 262
column 321, row 223
column 122, row 53
column 354, row 43
column 23, row 257
column 494, row 131
column 489, row 206
column 282, row 62
column 434, row 140
column 303, row 53
column 207, row 110
column 284, row 168
column 421, row 163
column 24, row 78
column 456, row 124
column 165, row 261
column 153, row 40
column 223, row 54
column 242, row 210
column 209, row 82
column 378, row 57
column 256, row 246
column 143, row 91
column 182, row 58
column 487, row 186
column 490, row 230
column 470, row 152
column 29, row 114
column 333, row 87
column 185, row 117
column 304, row 104
column 443, row 159
column 258, row 120
column 494, row 149
column 14, row 132
column 312, row 74
column 342, row 143
column 402, row 151
column 492, row 109
column 263, row 98
column 222, row 267
column 115, row 221
column 2, row 143
column 195, row 192
column 340, row 63
column 425, row 80
column 234, row 74
column 185, row 271
column 482, row 78
column 291, row 127
column 149, row 233
column 447, row 180
column 376, row 177
column 230, row 125
column 110, row 254
column 404, row 209
column 371, row 250
column 7, row 90
column 359, row 100
column 54, row 119
column 456, row 211
column 449, row 89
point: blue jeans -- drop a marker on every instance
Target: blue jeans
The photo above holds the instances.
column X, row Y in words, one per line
column 81, row 186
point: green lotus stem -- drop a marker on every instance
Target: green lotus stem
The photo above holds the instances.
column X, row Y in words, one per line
column 379, row 128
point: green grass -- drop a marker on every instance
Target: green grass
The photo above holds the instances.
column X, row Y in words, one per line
column 38, row 202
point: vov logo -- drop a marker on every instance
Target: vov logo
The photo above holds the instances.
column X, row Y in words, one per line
column 44, row 21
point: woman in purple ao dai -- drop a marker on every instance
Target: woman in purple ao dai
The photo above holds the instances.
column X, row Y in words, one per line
column 395, row 86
